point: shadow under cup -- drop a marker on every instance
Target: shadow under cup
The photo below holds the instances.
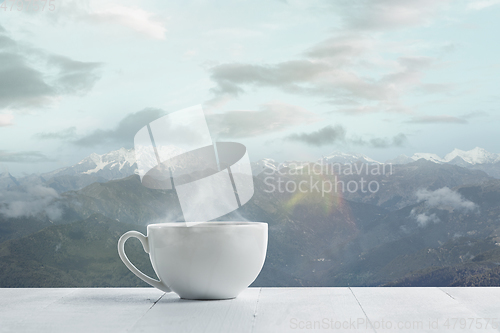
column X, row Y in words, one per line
column 208, row 260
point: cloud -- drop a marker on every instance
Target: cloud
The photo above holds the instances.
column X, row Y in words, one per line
column 449, row 47
column 6, row 120
column 20, row 84
column 6, row 42
column 353, row 65
column 73, row 77
column 424, row 219
column 230, row 77
column 272, row 117
column 389, row 106
column 482, row 4
column 324, row 136
column 447, row 119
column 60, row 135
column 23, row 157
column 398, row 140
column 435, row 88
column 443, row 119
column 475, row 114
column 31, row 201
column 123, row 133
column 445, row 198
column 416, row 62
column 335, row 134
column 332, row 72
column 102, row 14
column 305, row 77
column 343, row 48
column 386, row 14
column 134, row 18
column 32, row 77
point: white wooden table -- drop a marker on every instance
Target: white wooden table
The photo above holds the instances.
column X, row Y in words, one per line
column 255, row 310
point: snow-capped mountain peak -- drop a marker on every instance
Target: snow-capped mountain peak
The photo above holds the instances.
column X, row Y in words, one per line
column 428, row 156
column 113, row 165
column 473, row 156
column 347, row 158
column 118, row 158
column 461, row 157
column 122, row 163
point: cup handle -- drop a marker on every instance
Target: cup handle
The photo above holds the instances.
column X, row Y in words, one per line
column 145, row 244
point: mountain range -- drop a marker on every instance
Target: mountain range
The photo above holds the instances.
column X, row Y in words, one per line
column 313, row 240
column 477, row 158
column 121, row 163
column 430, row 223
column 94, row 168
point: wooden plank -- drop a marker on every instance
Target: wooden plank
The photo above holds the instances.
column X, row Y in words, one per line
column 415, row 310
column 255, row 310
column 18, row 305
column 89, row 310
column 485, row 301
column 308, row 309
column 172, row 314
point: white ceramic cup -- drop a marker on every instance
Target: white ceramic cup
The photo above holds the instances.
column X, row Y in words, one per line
column 208, row 260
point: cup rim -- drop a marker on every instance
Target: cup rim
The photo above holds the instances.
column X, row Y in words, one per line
column 205, row 224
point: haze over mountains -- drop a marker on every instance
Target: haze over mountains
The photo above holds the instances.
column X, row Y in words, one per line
column 94, row 168
column 477, row 158
column 121, row 163
column 431, row 222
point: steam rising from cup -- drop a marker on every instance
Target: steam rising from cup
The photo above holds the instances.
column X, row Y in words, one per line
column 176, row 152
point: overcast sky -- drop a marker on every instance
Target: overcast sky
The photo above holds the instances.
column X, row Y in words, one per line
column 289, row 79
